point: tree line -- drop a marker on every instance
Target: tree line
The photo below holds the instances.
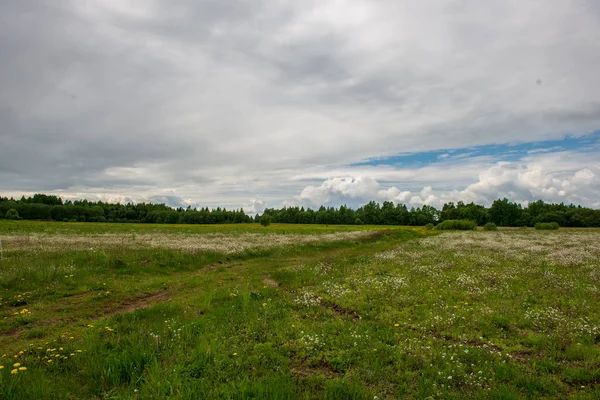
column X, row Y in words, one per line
column 502, row 212
column 45, row 207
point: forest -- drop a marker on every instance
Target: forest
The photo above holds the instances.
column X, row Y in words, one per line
column 502, row 212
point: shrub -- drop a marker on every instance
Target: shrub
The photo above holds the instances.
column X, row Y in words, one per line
column 265, row 220
column 357, row 221
column 429, row 226
column 12, row 214
column 457, row 224
column 490, row 226
column 547, row 226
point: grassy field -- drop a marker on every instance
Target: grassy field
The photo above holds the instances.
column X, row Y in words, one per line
column 74, row 228
column 119, row 311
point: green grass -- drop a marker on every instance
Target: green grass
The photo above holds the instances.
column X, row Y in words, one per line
column 73, row 228
column 400, row 313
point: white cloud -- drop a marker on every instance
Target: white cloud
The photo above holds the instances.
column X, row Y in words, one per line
column 522, row 182
column 256, row 207
column 339, row 189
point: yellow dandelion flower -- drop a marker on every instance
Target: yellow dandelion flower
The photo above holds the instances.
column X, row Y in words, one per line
column 234, row 354
column 396, row 325
column 583, row 387
column 1, row 366
column 14, row 371
column 49, row 361
column 16, row 365
column 72, row 354
column 60, row 349
column 22, row 368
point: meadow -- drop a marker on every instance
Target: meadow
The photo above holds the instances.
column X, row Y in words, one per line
column 133, row 311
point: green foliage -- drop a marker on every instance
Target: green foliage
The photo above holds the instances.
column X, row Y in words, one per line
column 12, row 214
column 505, row 213
column 490, row 226
column 43, row 207
column 552, row 226
column 265, row 220
column 457, row 224
column 502, row 212
column 429, row 226
column 471, row 211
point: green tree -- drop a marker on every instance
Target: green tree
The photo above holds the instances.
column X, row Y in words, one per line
column 372, row 213
column 265, row 220
column 449, row 211
column 505, row 213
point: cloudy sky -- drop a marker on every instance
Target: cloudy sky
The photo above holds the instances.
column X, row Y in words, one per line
column 254, row 103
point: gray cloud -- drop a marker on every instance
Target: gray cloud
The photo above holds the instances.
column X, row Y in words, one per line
column 223, row 102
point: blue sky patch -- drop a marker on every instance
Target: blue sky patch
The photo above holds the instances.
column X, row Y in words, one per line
column 503, row 152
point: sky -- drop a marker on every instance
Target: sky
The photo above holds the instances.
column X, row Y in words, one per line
column 255, row 103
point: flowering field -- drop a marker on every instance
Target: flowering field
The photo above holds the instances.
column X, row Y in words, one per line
column 294, row 312
column 209, row 242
